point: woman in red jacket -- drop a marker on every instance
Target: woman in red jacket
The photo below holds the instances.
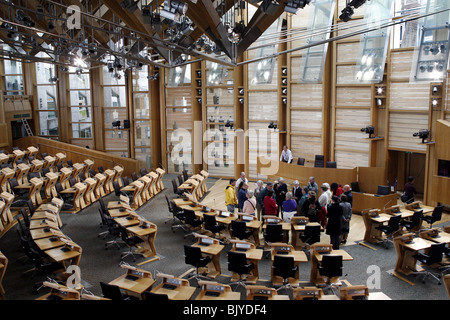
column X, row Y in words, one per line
column 270, row 205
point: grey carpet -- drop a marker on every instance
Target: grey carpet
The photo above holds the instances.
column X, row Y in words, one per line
column 98, row 264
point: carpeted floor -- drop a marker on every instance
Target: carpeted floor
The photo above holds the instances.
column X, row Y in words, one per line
column 98, row 264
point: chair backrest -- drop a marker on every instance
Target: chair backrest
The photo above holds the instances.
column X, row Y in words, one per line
column 174, row 185
column 189, row 216
column 437, row 213
column 100, row 169
column 13, row 183
column 45, row 171
column 237, row 262
column 116, row 188
column 394, row 223
column 169, row 205
column 143, row 171
column 111, row 291
column 26, row 217
column 238, row 229
column 274, row 233
column 72, row 182
column 331, row 265
column 32, row 175
column 102, row 204
column 70, row 163
column 301, row 161
column 192, row 255
column 416, row 218
column 331, row 164
column 134, row 176
column 436, row 253
column 31, row 207
column 312, row 233
column 284, row 266
column 82, row 176
column 209, row 220
column 185, row 175
column 319, row 161
column 180, row 179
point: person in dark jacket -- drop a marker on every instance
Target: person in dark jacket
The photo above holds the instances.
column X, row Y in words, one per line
column 280, row 194
column 334, row 224
column 311, row 207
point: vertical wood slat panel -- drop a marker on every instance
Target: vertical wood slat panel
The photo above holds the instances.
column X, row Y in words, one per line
column 401, row 128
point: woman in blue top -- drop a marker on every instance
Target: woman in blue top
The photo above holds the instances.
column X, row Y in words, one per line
column 289, row 205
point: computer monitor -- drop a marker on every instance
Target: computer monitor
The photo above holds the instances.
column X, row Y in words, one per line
column 383, row 190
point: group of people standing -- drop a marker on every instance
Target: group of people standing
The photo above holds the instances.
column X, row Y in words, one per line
column 332, row 208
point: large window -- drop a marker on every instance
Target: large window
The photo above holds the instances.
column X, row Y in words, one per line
column 12, row 76
column 80, row 107
column 47, row 100
column 115, row 109
column 141, row 107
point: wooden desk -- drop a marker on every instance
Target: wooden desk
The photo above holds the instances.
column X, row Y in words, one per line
column 43, row 223
column 76, row 169
column 31, row 151
column 7, row 173
column 286, row 226
column 89, row 195
column 298, row 225
column 435, row 235
column 136, row 187
column 17, row 155
column 364, row 201
column 307, row 293
column 252, row 254
column 317, row 250
column 286, row 250
column 3, row 266
column 60, row 158
column 127, row 221
column 395, row 210
column 36, row 165
column 50, row 183
column 6, row 215
column 118, row 170
column 49, row 243
column 417, row 205
column 78, row 198
column 120, row 212
column 216, row 291
column 70, row 254
column 134, row 281
column 254, row 292
column 147, row 232
column 213, row 248
column 59, row 292
column 145, row 193
column 88, row 164
column 152, row 187
column 4, row 158
column 373, row 219
column 100, row 186
column 3, row 224
column 22, row 170
column 406, row 247
column 174, row 288
column 35, row 191
column 37, row 234
column 64, row 177
column 49, row 162
column 108, row 185
column 159, row 183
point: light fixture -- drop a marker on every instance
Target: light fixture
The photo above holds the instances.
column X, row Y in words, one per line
column 270, row 7
column 116, row 124
column 284, row 100
column 356, row 3
column 435, row 102
column 380, row 90
column 346, row 14
column 370, row 130
column 379, row 102
column 130, row 5
column 292, row 6
column 435, row 90
column 422, row 134
column 173, row 9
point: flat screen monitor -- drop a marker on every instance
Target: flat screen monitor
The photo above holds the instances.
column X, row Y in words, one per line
column 383, row 190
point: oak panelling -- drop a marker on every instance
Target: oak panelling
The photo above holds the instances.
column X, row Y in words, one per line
column 263, row 106
column 401, row 128
column 347, row 52
column 352, row 118
column 348, row 159
column 174, row 96
column 307, row 95
column 346, row 28
column 409, row 96
column 353, row 96
column 351, row 140
column 261, row 142
column 79, row 154
column 305, row 146
column 306, row 122
column 401, row 62
column 345, row 74
column 224, row 95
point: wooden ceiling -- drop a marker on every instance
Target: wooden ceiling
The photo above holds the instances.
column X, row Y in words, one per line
column 99, row 18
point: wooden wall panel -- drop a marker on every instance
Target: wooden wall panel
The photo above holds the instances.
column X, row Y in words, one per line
column 401, row 128
column 347, row 52
column 353, row 96
column 307, row 95
column 263, row 106
column 409, row 96
column 400, row 66
column 351, row 118
column 345, row 74
column 306, row 122
column 305, row 146
column 351, row 140
column 349, row 160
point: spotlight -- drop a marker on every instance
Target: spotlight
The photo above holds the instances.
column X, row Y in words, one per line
column 369, row 130
column 434, row 102
column 241, row 100
column 271, row 125
column 380, row 90
column 422, row 68
column 439, row 67
column 285, row 101
column 116, row 124
column 51, row 25
column 379, row 102
column 292, row 6
column 92, row 48
column 53, row 79
column 434, row 49
column 240, row 28
column 346, row 14
column 422, row 134
column 430, row 67
column 356, row 3
column 130, row 5
column 110, row 66
column 435, row 90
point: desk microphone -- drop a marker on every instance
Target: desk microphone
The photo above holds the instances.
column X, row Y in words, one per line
column 384, row 208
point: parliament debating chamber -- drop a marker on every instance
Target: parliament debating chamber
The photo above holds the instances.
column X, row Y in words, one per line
column 145, row 143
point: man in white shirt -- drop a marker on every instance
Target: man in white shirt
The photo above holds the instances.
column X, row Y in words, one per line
column 242, row 178
column 286, row 155
column 325, row 197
